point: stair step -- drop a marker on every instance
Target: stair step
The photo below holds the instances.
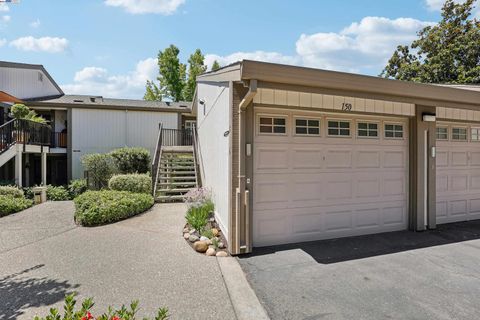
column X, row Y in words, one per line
column 174, row 190
column 177, row 172
column 177, row 179
column 169, row 198
column 184, row 183
column 177, row 167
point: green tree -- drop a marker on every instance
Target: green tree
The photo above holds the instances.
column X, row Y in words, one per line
column 215, row 66
column 21, row 111
column 171, row 76
column 448, row 52
column 196, row 66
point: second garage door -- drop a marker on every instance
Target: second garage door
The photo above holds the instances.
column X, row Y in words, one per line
column 458, row 172
column 320, row 176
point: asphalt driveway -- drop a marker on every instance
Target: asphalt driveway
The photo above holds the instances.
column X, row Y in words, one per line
column 401, row 275
column 43, row 256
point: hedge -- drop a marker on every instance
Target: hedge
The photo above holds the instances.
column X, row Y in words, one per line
column 11, row 191
column 101, row 207
column 9, row 204
column 139, row 183
column 131, row 160
column 55, row 193
column 77, row 187
column 100, row 169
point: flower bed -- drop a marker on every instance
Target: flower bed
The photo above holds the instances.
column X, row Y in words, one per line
column 201, row 231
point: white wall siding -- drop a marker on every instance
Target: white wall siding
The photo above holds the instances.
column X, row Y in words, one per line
column 213, row 122
column 26, row 83
column 99, row 131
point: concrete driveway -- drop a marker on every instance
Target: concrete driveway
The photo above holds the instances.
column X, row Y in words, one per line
column 401, row 275
column 43, row 256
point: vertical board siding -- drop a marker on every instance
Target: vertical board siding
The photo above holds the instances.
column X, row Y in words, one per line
column 25, row 83
column 457, row 114
column 324, row 101
column 213, row 125
column 100, row 131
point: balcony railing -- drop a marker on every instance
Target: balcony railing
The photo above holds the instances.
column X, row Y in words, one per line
column 24, row 132
column 177, row 137
column 58, row 140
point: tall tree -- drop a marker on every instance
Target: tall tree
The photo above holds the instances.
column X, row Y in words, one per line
column 171, row 77
column 215, row 66
column 196, row 66
column 448, row 52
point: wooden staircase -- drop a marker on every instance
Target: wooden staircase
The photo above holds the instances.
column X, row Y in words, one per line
column 177, row 174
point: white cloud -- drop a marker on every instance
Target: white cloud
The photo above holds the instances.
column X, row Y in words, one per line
column 435, row 5
column 4, row 7
column 363, row 46
column 98, row 81
column 35, row 24
column 3, row 42
column 45, row 44
column 5, row 19
column 165, row 7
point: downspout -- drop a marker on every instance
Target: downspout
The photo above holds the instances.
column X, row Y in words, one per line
column 242, row 193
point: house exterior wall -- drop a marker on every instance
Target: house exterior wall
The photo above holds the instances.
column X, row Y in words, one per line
column 102, row 130
column 26, row 83
column 214, row 134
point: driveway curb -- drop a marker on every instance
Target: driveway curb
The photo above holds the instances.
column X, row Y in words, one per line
column 244, row 301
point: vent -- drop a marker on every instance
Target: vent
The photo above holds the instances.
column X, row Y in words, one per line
column 96, row 99
column 78, row 101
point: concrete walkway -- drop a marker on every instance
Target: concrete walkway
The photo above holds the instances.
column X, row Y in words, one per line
column 43, row 256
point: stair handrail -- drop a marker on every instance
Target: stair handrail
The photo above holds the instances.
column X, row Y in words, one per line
column 156, row 159
column 197, row 158
column 6, row 135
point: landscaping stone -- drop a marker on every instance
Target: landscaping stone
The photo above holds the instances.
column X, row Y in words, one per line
column 186, row 236
column 209, row 242
column 215, row 232
column 186, row 230
column 200, row 246
column 193, row 238
column 210, row 252
column 221, row 245
column 193, row 231
column 221, row 254
column 202, row 238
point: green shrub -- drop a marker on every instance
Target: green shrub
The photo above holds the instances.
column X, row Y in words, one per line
column 131, row 160
column 207, row 233
column 11, row 191
column 197, row 217
column 100, row 169
column 9, row 204
column 59, row 193
column 77, row 187
column 84, row 312
column 107, row 206
column 28, row 192
column 140, row 183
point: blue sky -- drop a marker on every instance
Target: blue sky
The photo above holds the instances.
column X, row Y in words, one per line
column 108, row 47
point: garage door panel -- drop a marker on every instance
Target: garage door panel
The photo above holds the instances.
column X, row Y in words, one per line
column 328, row 187
column 458, row 180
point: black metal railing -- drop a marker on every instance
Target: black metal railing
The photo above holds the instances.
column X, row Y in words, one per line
column 24, row 132
column 156, row 159
column 58, row 140
column 177, row 137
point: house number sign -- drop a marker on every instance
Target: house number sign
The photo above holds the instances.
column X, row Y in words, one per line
column 346, row 106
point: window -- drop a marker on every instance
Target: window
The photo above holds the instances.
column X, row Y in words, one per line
column 393, row 131
column 442, row 133
column 459, row 134
column 338, row 128
column 475, row 134
column 367, row 129
column 310, row 127
column 273, row 125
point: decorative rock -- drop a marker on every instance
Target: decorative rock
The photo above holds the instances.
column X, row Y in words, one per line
column 212, row 219
column 215, row 232
column 193, row 231
column 211, row 246
column 221, row 245
column 209, row 242
column 202, row 238
column 200, row 246
column 222, row 254
column 193, row 238
column 211, row 252
column 186, row 236
column 186, row 230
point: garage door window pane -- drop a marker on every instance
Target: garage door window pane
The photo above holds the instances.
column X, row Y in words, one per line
column 475, row 134
column 307, row 127
column 459, row 134
column 442, row 133
column 272, row 125
column 394, row 131
column 339, row 128
column 366, row 129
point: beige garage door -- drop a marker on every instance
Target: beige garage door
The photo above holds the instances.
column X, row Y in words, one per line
column 320, row 176
column 458, row 172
